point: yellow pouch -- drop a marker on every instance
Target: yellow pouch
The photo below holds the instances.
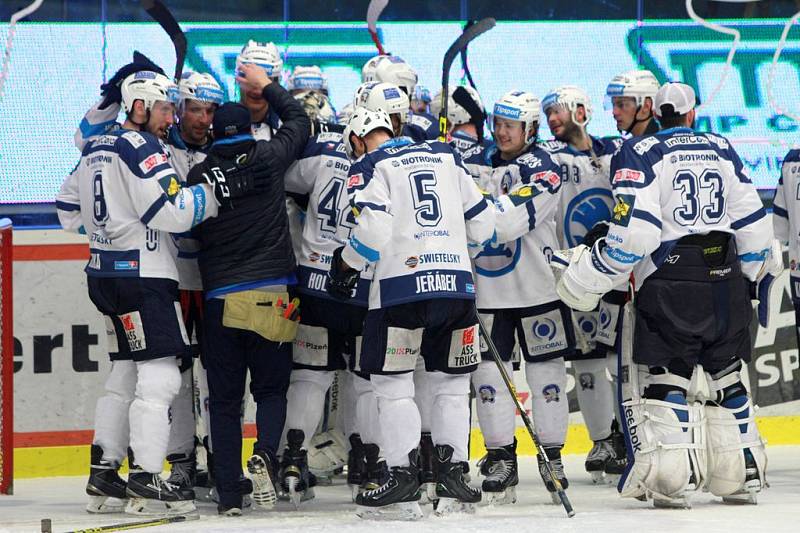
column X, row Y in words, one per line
column 259, row 312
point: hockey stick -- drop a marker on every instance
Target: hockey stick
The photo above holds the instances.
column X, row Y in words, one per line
column 374, row 11
column 562, row 495
column 12, row 30
column 464, row 62
column 482, row 26
column 161, row 14
column 125, row 526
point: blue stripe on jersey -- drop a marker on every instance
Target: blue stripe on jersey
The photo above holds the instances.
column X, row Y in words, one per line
column 647, row 217
column 427, row 285
column 754, row 257
column 199, row 195
column 90, row 130
column 370, row 254
column 154, row 209
column 749, row 219
column 314, row 281
column 250, row 285
column 531, row 215
column 374, row 207
column 113, row 263
column 66, row 206
column 475, row 210
column 781, row 212
column 142, row 153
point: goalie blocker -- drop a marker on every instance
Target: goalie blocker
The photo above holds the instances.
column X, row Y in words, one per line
column 689, row 421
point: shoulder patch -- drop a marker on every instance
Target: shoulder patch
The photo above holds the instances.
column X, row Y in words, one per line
column 152, row 161
column 522, row 194
column 170, row 185
column 628, row 175
column 420, row 121
column 355, row 180
column 134, row 138
column 529, row 160
column 329, row 137
column 623, row 209
column 553, row 145
column 643, row 146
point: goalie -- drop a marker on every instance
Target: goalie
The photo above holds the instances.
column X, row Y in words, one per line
column 689, row 226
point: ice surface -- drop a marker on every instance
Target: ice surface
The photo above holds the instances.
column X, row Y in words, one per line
column 598, row 508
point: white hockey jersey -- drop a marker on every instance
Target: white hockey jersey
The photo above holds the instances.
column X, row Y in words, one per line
column 318, row 181
column 786, row 209
column 673, row 184
column 416, row 208
column 514, row 271
column 586, row 197
column 476, row 156
column 129, row 199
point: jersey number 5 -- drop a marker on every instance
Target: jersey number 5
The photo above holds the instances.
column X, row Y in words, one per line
column 702, row 197
column 426, row 201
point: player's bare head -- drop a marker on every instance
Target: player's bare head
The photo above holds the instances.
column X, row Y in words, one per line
column 630, row 98
column 148, row 99
column 516, row 122
column 568, row 110
column 366, row 130
column 674, row 105
column 200, row 95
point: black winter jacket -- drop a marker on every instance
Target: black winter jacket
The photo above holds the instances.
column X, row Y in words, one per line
column 251, row 242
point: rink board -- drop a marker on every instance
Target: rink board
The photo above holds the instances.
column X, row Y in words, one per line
column 61, row 364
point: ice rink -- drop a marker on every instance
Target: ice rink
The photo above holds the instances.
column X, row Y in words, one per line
column 598, row 508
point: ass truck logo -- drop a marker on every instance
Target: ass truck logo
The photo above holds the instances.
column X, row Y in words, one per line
column 213, row 48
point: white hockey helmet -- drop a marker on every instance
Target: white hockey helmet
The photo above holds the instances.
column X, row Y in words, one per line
column 520, row 106
column 362, row 122
column 308, row 78
column 394, row 69
column 317, row 106
column 456, row 114
column 385, row 96
column 569, row 97
column 368, row 70
column 638, row 84
column 265, row 55
column 148, row 86
column 344, row 114
column 200, row 86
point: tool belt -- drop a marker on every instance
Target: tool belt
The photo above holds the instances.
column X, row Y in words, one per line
column 270, row 314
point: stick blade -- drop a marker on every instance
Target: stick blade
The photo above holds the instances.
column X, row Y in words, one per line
column 374, row 11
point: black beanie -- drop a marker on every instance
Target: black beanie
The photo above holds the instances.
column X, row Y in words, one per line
column 231, row 118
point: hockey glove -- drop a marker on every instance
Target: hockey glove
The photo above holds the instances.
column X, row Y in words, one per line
column 760, row 289
column 342, row 281
column 227, row 180
column 111, row 91
column 581, row 285
column 597, row 232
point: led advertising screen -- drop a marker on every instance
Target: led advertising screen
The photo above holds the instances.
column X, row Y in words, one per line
column 57, row 68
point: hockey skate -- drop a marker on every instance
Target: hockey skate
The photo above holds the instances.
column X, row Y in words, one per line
column 149, row 495
column 295, row 477
column 105, row 488
column 397, row 498
column 427, row 469
column 453, row 494
column 502, row 477
column 601, row 453
column 261, row 468
column 245, row 489
column 183, row 471
column 356, row 465
column 615, row 466
column 554, row 454
column 377, row 472
column 748, row 494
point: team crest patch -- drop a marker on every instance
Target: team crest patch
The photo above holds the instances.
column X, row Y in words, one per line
column 170, row 186
column 551, row 393
column 487, row 393
column 623, row 209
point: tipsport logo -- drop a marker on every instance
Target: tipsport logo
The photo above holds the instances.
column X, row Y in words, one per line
column 213, row 48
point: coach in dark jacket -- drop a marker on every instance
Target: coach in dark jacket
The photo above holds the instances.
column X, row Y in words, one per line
column 247, row 264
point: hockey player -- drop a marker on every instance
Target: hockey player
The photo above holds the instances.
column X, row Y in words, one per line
column 689, row 225
column 247, row 264
column 329, row 330
column 390, row 98
column 517, row 311
column 420, row 300
column 265, row 55
column 586, row 200
column 786, row 224
column 125, row 195
column 630, row 97
column 308, row 78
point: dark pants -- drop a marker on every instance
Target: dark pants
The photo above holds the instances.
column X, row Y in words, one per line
column 228, row 354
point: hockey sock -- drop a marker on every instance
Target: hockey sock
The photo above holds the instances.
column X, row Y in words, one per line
column 494, row 405
column 346, row 413
column 548, row 382
column 111, row 430
column 398, row 415
column 305, row 402
column 367, row 422
column 423, row 394
column 181, row 436
column 595, row 397
column 158, row 382
column 450, row 412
